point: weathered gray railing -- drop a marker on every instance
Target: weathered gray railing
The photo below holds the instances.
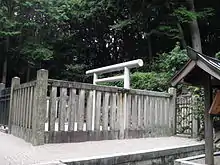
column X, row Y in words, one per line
column 27, row 113
column 146, row 114
column 4, row 104
column 54, row 111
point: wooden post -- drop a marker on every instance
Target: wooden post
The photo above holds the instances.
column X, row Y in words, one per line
column 2, row 86
column 40, row 107
column 172, row 113
column 172, row 110
column 15, row 82
column 209, row 157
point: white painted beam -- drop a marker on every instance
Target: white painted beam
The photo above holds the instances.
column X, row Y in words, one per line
column 110, row 79
column 117, row 67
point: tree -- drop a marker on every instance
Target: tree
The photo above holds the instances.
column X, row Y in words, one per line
column 68, row 37
column 194, row 28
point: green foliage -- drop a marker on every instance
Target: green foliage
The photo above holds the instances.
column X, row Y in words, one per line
column 172, row 61
column 217, row 55
column 69, row 36
column 36, row 52
column 184, row 15
column 151, row 81
column 74, row 71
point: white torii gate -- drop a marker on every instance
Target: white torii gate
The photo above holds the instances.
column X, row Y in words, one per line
column 126, row 66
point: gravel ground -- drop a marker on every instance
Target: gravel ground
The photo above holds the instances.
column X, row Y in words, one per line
column 15, row 151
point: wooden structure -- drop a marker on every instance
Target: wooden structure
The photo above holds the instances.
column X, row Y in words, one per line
column 215, row 108
column 4, row 104
column 56, row 111
column 186, row 123
column 202, row 70
column 125, row 66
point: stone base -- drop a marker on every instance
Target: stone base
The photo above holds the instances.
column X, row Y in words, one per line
column 197, row 160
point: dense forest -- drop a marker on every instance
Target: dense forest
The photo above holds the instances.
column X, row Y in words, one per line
column 68, row 37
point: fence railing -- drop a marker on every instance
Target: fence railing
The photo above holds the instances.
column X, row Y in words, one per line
column 4, row 104
column 54, row 111
column 27, row 108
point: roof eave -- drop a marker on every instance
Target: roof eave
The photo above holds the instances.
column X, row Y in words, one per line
column 179, row 76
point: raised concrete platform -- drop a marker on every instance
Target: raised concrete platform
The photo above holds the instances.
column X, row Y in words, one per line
column 15, row 151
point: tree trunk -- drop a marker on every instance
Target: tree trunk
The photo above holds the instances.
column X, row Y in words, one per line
column 182, row 38
column 7, row 44
column 194, row 28
column 5, row 65
column 4, row 71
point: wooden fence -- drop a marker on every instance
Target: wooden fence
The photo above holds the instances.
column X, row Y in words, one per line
column 186, row 121
column 54, row 111
column 4, row 104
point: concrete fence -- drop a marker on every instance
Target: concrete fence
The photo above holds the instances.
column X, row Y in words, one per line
column 55, row 111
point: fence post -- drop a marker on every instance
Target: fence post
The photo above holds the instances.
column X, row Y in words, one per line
column 14, row 83
column 2, row 86
column 40, row 107
column 172, row 113
column 195, row 129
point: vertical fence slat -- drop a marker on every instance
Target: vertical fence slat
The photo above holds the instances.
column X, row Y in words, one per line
column 14, row 107
column 162, row 111
column 62, row 111
column 167, row 112
column 105, row 111
column 89, row 111
column 17, row 108
column 134, row 112
column 20, row 108
column 113, row 111
column 52, row 109
column 30, row 107
column 140, row 112
column 27, row 108
column 146, row 111
column 117, row 123
column 128, row 121
column 72, row 110
column 152, row 110
column 156, row 110
column 121, row 116
column 81, row 110
column 23, row 107
column 98, row 110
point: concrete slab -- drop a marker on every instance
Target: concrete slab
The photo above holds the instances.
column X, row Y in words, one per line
column 15, row 151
